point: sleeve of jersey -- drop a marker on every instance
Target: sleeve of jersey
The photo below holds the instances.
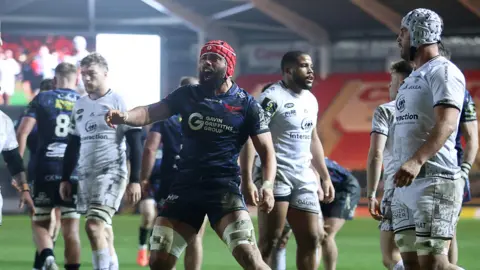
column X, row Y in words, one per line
column 469, row 111
column 269, row 106
column 11, row 139
column 31, row 110
column 380, row 122
column 157, row 127
column 176, row 100
column 256, row 119
column 72, row 127
column 448, row 87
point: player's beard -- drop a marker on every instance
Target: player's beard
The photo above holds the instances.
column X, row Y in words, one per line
column 301, row 83
column 212, row 80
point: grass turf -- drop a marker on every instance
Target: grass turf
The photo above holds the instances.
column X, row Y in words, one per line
column 357, row 243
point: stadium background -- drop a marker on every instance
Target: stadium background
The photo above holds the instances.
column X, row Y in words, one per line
column 352, row 44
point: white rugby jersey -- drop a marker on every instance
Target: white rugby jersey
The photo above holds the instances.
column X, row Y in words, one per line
column 437, row 82
column 292, row 118
column 383, row 123
column 101, row 146
column 8, row 139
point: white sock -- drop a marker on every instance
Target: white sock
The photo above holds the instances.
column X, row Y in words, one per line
column 114, row 262
column 142, row 247
column 460, row 268
column 49, row 261
column 280, row 259
column 399, row 266
column 318, row 256
column 101, row 259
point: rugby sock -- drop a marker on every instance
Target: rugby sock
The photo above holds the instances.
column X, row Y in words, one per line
column 318, row 256
column 143, row 237
column 37, row 264
column 44, row 254
column 72, row 266
column 114, row 262
column 399, row 266
column 101, row 259
column 280, row 260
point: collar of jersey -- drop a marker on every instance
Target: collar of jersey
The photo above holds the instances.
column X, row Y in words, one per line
column 106, row 94
column 65, row 89
column 284, row 86
column 425, row 67
column 232, row 91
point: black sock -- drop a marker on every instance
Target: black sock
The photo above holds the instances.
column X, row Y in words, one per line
column 44, row 254
column 143, row 236
column 37, row 263
column 72, row 266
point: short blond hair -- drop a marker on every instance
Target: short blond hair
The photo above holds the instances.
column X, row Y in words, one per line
column 94, row 59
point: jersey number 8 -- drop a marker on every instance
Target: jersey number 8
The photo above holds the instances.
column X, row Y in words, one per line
column 62, row 123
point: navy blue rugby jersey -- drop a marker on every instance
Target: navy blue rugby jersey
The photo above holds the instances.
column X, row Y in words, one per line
column 171, row 132
column 52, row 111
column 338, row 174
column 214, row 128
column 469, row 113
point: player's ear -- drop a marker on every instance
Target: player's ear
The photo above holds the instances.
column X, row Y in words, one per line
column 55, row 81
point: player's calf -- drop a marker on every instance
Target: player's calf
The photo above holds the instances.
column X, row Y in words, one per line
column 194, row 251
column 271, row 227
column 71, row 236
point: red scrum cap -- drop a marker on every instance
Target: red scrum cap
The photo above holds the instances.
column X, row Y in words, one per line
column 224, row 50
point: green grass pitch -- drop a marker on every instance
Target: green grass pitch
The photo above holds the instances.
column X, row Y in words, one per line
column 357, row 243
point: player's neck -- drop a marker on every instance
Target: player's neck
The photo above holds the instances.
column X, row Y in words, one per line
column 99, row 93
column 425, row 54
column 292, row 86
column 64, row 84
column 224, row 87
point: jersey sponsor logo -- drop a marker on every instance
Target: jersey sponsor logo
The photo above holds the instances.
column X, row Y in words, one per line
column 400, row 103
column 414, row 87
column 307, row 124
column 300, row 136
column 213, row 100
column 406, row 117
column 197, row 121
column 290, row 113
column 94, row 137
column 90, row 126
column 64, row 104
column 269, row 106
column 289, row 105
column 232, row 109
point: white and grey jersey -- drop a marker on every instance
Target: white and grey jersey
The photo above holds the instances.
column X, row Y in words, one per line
column 292, row 117
column 437, row 83
column 102, row 147
column 383, row 123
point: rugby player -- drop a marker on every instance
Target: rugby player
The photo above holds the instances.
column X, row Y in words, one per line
column 102, row 163
column 429, row 185
column 465, row 157
column 156, row 180
column 51, row 112
column 31, row 145
column 347, row 196
column 291, row 112
column 381, row 152
column 218, row 119
column 11, row 156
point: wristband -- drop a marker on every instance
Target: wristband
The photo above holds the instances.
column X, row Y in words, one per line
column 267, row 184
column 465, row 167
column 25, row 187
column 371, row 195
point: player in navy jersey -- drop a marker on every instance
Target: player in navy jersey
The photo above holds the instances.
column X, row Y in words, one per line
column 468, row 128
column 31, row 145
column 218, row 117
column 51, row 111
column 159, row 166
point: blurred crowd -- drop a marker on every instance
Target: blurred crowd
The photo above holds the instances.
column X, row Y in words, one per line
column 22, row 68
